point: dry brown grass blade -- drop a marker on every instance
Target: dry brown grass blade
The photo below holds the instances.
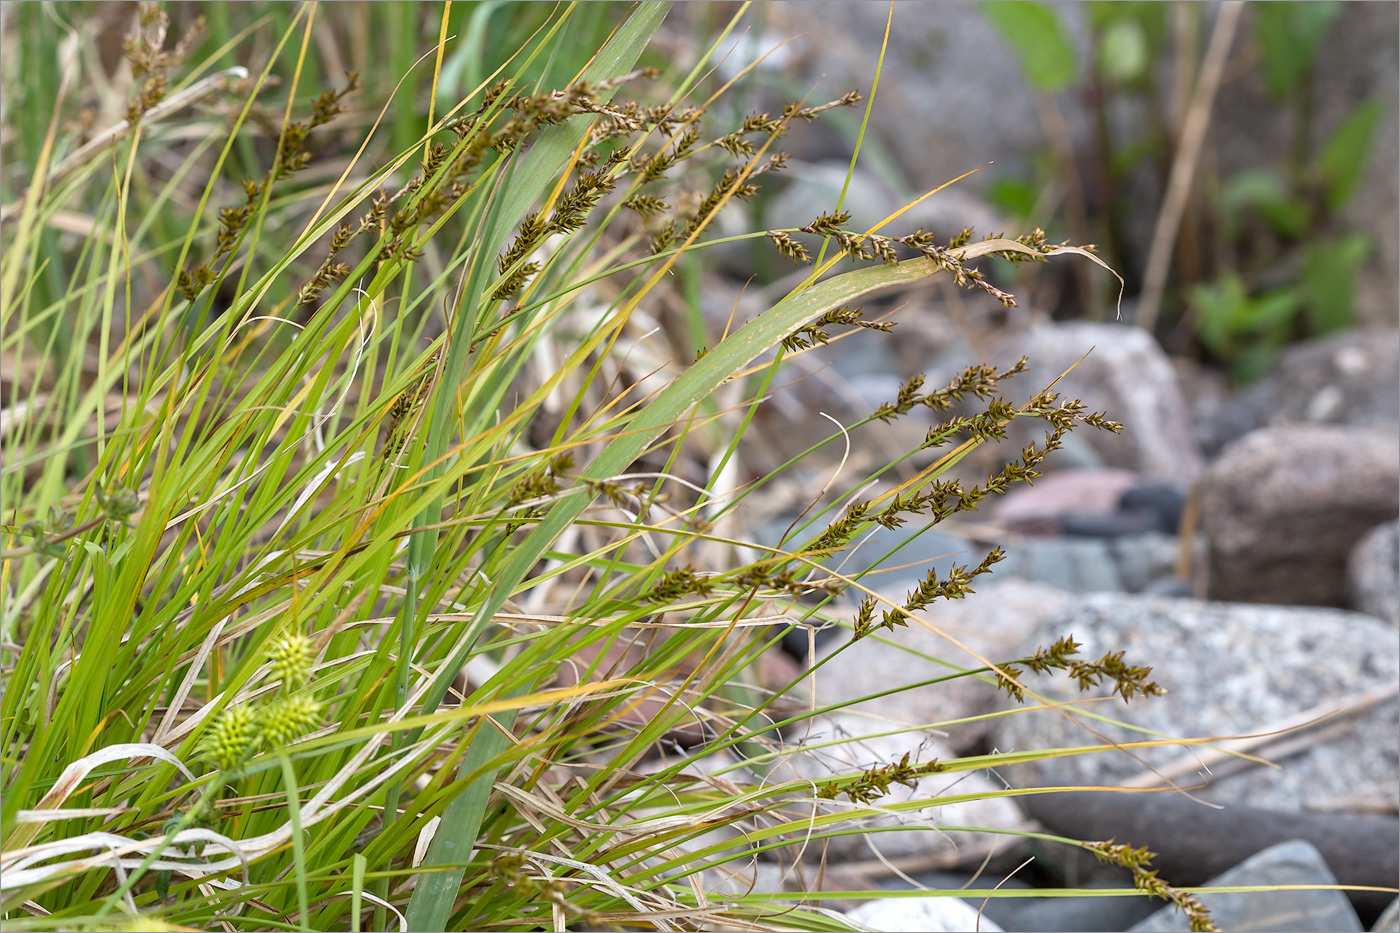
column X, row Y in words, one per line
column 75, row 773
column 177, row 101
column 1188, row 151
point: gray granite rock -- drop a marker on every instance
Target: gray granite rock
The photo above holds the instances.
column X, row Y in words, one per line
column 1124, row 564
column 1283, row 507
column 1074, row 565
column 921, row 915
column 1373, row 571
column 1345, row 378
column 801, row 193
column 916, row 545
column 814, row 391
column 1146, row 561
column 1129, row 563
column 844, row 743
column 1126, row 375
column 814, row 187
column 1092, row 503
column 1389, row 921
column 1289, row 863
column 1231, row 670
column 993, row 622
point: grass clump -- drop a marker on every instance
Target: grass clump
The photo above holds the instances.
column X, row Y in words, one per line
column 363, row 543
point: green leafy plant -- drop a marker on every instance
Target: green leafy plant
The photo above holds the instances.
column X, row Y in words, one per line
column 1287, row 216
column 1277, row 264
column 1118, row 71
column 362, row 542
column 1034, row 31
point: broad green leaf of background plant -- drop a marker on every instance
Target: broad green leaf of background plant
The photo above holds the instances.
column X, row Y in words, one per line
column 1129, row 35
column 1148, row 14
column 1217, row 307
column 1290, row 35
column 1123, row 53
column 1014, row 195
column 1229, row 313
column 1329, row 280
column 1035, row 33
column 1341, row 164
column 1265, row 192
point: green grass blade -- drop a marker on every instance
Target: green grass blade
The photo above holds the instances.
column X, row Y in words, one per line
column 289, row 775
column 431, row 902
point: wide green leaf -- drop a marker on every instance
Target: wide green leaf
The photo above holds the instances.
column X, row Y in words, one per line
column 1329, row 279
column 1341, row 165
column 1035, row 33
column 1289, row 35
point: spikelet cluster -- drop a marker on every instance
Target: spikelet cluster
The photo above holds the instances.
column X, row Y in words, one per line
column 291, row 658
column 287, row 718
column 290, row 713
column 232, row 736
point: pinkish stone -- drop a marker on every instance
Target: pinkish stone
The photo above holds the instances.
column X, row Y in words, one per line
column 1061, row 494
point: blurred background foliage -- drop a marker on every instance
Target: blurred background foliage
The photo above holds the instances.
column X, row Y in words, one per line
column 1268, row 250
column 1266, row 257
column 1287, row 225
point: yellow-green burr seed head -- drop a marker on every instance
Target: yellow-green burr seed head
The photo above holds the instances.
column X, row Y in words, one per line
column 231, row 738
column 292, row 657
column 288, row 718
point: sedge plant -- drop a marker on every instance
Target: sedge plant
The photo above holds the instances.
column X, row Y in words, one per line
column 370, row 532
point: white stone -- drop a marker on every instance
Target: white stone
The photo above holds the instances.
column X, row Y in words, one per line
column 843, row 744
column 921, row 915
column 992, row 622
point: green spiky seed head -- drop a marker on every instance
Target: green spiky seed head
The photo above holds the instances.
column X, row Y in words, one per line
column 292, row 656
column 288, row 718
column 231, row 738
